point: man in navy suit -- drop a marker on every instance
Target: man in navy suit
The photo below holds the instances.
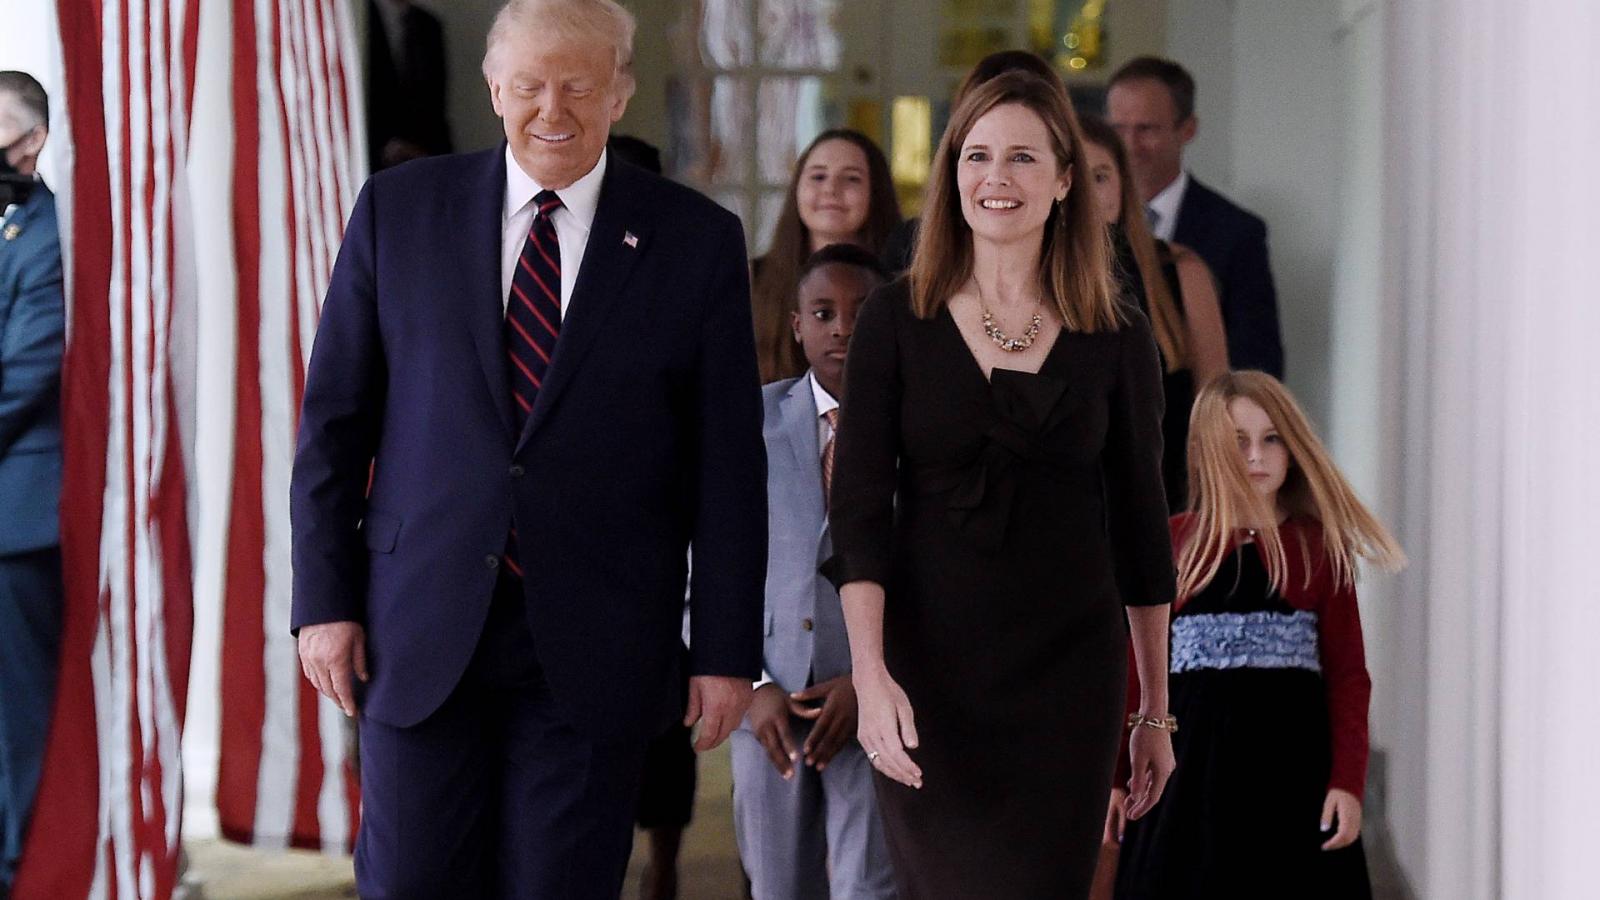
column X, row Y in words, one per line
column 1151, row 104
column 541, row 358
column 32, row 325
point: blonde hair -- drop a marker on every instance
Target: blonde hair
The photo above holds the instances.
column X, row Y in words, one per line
column 604, row 21
column 1075, row 258
column 1222, row 499
column 1165, row 319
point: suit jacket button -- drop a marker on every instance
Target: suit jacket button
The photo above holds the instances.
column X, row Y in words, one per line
column 517, row 471
column 492, row 562
column 807, row 624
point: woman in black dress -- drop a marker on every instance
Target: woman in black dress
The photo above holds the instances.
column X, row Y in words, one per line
column 1173, row 287
column 997, row 500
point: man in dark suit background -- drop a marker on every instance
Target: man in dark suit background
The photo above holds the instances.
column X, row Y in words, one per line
column 32, row 328
column 405, row 83
column 1151, row 105
column 541, row 357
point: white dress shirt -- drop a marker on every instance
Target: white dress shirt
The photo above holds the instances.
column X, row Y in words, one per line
column 573, row 221
column 1166, row 205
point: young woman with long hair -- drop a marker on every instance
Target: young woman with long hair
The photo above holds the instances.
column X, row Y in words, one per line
column 841, row 193
column 1269, row 675
column 998, row 519
column 1173, row 286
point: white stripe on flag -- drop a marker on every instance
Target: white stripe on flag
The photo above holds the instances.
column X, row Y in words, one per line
column 280, row 761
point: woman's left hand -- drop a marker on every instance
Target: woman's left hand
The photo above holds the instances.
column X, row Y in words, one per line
column 1150, row 750
column 1341, row 808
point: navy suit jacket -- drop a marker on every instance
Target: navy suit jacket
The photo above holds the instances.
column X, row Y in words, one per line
column 1233, row 242
column 645, row 437
column 32, row 329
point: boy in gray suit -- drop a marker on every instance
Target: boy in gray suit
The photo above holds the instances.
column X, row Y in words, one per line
column 804, row 810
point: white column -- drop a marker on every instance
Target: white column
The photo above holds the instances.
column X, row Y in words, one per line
column 1492, row 140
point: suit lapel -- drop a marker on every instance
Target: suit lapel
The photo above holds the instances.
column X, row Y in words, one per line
column 22, row 217
column 799, row 426
column 478, row 223
column 1190, row 211
column 617, row 238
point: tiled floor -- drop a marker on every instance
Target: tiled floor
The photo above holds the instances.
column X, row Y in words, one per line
column 708, row 869
column 709, row 866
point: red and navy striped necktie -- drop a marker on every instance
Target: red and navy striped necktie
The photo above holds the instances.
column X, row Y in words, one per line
column 533, row 321
column 533, row 311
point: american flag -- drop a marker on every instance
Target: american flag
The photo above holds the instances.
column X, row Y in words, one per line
column 216, row 150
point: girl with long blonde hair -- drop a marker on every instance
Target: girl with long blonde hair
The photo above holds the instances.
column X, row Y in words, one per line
column 1269, row 675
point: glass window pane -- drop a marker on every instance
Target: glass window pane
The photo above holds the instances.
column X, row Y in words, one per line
column 767, row 221
column 738, row 203
column 792, row 111
column 724, row 29
column 799, row 34
column 728, row 159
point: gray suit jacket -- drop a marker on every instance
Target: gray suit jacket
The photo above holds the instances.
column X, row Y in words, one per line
column 803, row 621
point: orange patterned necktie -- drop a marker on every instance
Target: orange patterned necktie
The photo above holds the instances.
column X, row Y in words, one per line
column 832, row 416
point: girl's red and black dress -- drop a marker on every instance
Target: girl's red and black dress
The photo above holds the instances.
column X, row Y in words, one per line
column 1271, row 692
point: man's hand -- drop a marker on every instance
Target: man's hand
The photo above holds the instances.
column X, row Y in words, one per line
column 835, row 719
column 769, row 720
column 329, row 654
column 1342, row 809
column 720, row 701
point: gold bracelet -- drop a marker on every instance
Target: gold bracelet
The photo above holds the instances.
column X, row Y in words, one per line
column 1168, row 724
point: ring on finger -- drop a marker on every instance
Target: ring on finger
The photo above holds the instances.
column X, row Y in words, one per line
column 872, row 756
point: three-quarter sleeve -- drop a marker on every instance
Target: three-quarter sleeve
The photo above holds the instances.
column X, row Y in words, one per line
column 867, row 448
column 1136, row 501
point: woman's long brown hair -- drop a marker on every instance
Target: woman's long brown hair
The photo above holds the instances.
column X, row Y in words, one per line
column 1074, row 256
column 773, row 294
column 1165, row 319
column 1222, row 500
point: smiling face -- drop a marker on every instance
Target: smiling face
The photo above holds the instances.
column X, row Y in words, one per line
column 1009, row 176
column 834, row 193
column 1266, row 456
column 825, row 317
column 1104, row 181
column 557, row 99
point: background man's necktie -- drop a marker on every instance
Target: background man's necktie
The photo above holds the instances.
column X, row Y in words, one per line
column 533, row 321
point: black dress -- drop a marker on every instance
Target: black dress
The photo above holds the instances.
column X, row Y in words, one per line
column 1009, row 520
column 1240, row 816
column 1177, row 385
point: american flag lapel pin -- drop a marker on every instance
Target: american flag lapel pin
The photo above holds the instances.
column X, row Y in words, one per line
column 631, row 239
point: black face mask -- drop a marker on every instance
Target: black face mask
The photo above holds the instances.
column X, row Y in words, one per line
column 14, row 186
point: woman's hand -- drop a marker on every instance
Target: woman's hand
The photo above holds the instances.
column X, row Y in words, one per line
column 1150, row 749
column 1344, row 810
column 887, row 727
column 1116, row 817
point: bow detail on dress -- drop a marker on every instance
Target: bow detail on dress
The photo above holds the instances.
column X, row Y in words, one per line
column 983, row 492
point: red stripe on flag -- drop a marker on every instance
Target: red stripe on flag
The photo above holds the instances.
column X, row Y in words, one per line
column 243, row 674
column 67, row 822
